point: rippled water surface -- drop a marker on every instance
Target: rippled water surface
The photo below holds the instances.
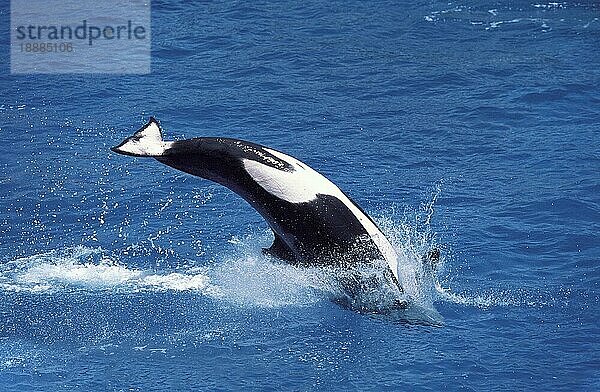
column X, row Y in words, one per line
column 469, row 126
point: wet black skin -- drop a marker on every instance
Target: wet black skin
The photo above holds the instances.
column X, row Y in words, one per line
column 307, row 233
column 320, row 232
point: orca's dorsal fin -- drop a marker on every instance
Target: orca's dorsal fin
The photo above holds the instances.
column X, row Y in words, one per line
column 280, row 249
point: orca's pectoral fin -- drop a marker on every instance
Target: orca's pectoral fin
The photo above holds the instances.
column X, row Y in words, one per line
column 280, row 250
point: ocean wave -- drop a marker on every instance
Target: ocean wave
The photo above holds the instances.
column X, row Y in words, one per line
column 543, row 17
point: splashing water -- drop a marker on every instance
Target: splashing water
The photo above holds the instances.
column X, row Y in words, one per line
column 412, row 238
column 244, row 278
column 247, row 278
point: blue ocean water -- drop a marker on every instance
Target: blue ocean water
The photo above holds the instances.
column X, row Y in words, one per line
column 471, row 126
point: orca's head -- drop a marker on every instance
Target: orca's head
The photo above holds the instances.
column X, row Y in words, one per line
column 146, row 142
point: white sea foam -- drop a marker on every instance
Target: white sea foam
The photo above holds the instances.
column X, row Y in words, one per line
column 248, row 278
column 494, row 18
column 83, row 268
column 258, row 282
column 482, row 301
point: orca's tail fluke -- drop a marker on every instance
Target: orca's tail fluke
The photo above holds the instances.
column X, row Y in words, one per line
column 146, row 142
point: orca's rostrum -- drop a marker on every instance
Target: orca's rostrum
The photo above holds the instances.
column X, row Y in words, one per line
column 313, row 221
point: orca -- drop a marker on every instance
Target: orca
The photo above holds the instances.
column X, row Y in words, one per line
column 314, row 223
